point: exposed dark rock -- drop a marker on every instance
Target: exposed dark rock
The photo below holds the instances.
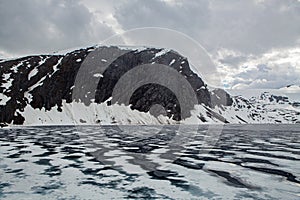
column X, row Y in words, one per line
column 55, row 76
column 220, row 97
column 151, row 94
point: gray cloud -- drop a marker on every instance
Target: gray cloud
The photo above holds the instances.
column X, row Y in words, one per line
column 272, row 70
column 245, row 26
column 250, row 27
column 190, row 18
column 257, row 78
column 43, row 26
column 233, row 61
column 240, row 31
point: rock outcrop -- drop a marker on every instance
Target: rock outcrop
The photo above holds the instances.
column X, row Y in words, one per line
column 44, row 82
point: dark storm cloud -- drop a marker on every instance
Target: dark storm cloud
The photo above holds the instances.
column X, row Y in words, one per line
column 34, row 26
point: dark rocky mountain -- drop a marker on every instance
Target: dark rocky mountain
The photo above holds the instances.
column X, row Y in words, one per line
column 44, row 82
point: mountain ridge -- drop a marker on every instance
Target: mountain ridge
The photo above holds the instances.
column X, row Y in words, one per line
column 38, row 89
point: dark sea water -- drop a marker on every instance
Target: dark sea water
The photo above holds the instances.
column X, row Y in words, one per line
column 150, row 162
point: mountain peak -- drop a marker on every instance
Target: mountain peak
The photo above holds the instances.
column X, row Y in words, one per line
column 123, row 85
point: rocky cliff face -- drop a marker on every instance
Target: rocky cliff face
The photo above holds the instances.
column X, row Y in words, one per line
column 46, row 82
column 39, row 81
column 121, row 85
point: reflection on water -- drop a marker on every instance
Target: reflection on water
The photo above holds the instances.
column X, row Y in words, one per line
column 170, row 162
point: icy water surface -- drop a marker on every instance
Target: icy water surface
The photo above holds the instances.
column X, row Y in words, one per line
column 150, row 162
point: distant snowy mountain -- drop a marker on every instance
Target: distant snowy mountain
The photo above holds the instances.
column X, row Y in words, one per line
column 291, row 88
column 45, row 90
column 265, row 108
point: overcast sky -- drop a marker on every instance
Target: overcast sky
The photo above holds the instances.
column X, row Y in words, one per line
column 253, row 43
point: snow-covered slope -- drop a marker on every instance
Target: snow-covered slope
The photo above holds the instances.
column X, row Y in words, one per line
column 291, row 88
column 44, row 90
column 265, row 108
